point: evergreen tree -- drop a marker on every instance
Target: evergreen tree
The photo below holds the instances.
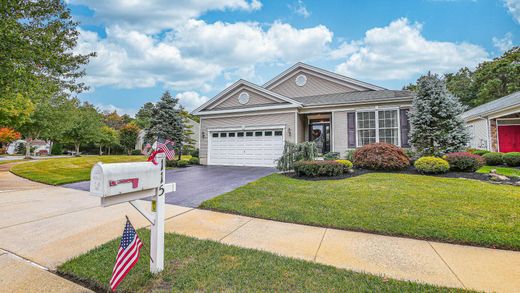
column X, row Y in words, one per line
column 143, row 116
column 167, row 121
column 188, row 142
column 436, row 125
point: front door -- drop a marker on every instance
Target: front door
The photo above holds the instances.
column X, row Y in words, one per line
column 509, row 138
column 319, row 133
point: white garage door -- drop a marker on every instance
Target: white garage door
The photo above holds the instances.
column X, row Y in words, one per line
column 246, row 148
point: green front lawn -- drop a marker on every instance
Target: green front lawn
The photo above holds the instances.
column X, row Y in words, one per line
column 424, row 207
column 506, row 171
column 205, row 266
column 66, row 170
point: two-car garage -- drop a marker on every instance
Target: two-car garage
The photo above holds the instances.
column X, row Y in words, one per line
column 250, row 147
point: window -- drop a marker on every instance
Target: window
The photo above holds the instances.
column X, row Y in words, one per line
column 240, row 134
column 377, row 126
column 231, row 134
column 249, row 133
column 366, row 122
column 258, row 133
column 215, row 135
column 268, row 133
column 388, row 126
column 278, row 133
column 223, row 134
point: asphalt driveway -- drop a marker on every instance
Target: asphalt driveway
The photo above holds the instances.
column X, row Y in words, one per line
column 196, row 184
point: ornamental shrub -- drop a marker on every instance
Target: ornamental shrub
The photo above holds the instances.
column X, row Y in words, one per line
column 331, row 156
column 512, row 159
column 135, row 153
column 465, row 162
column 493, row 159
column 431, row 165
column 381, row 156
column 478, row 152
column 182, row 163
column 319, row 168
column 346, row 163
column 171, row 163
column 349, row 155
column 194, row 153
column 306, row 151
column 194, row 161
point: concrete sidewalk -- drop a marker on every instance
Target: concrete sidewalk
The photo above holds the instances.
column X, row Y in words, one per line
column 400, row 258
column 49, row 225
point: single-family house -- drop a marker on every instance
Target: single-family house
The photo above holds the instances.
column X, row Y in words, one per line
column 247, row 124
column 495, row 126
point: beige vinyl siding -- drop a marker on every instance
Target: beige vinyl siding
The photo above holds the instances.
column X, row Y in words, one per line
column 339, row 126
column 266, row 119
column 478, row 130
column 302, row 127
column 314, row 86
column 254, row 99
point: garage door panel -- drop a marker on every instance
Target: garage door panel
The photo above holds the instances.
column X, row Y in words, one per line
column 254, row 148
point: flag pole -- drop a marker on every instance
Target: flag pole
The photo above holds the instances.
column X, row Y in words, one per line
column 147, row 251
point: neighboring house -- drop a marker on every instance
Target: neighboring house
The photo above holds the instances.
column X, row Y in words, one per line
column 495, row 126
column 247, row 124
column 38, row 146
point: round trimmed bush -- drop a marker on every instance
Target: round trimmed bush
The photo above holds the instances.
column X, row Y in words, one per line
column 135, row 153
column 431, row 165
column 182, row 163
column 194, row 161
column 493, row 159
column 478, row 152
column 319, row 168
column 347, row 163
column 512, row 159
column 381, row 156
column 171, row 163
column 464, row 162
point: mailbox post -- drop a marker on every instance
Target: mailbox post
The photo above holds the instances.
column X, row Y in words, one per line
column 157, row 241
column 127, row 182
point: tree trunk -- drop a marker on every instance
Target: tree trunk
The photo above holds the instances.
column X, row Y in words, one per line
column 100, row 150
column 51, row 143
column 28, row 148
column 109, row 151
column 77, row 148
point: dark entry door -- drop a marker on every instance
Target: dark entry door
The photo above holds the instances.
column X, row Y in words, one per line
column 320, row 134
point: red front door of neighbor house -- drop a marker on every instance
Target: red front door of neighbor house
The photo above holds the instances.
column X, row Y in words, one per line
column 509, row 138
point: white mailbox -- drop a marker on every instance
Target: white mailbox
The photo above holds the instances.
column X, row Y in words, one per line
column 121, row 182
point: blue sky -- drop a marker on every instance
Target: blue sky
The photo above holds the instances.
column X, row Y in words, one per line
column 196, row 49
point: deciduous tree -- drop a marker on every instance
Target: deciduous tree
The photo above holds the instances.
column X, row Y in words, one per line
column 128, row 135
column 85, row 127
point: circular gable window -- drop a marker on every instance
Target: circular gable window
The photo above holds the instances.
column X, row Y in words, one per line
column 243, row 98
column 301, row 80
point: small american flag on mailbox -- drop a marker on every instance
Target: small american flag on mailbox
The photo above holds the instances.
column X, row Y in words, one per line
column 167, row 146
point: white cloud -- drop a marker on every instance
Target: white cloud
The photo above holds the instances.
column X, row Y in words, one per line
column 505, row 43
column 193, row 54
column 130, row 59
column 191, row 100
column 513, row 6
column 246, row 43
column 300, row 9
column 399, row 51
column 155, row 16
column 111, row 108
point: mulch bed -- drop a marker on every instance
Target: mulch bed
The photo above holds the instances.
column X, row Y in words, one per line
column 413, row 171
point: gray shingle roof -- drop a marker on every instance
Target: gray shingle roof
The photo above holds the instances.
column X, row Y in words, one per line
column 355, row 97
column 494, row 106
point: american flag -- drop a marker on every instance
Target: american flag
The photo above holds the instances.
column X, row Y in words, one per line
column 167, row 146
column 127, row 256
column 146, row 149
